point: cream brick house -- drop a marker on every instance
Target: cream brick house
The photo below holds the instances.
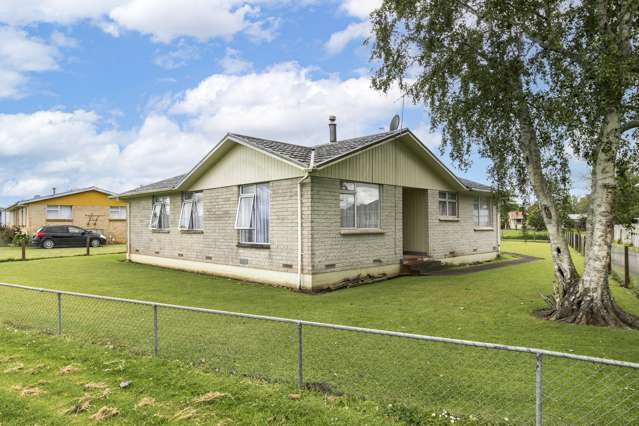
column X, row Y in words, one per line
column 309, row 217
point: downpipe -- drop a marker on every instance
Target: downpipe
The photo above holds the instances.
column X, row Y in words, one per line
column 299, row 230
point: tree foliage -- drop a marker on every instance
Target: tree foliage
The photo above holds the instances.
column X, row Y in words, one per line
column 528, row 85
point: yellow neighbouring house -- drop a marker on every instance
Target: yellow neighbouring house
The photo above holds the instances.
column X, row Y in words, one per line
column 88, row 208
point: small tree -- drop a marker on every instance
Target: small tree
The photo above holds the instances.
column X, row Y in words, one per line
column 535, row 219
column 524, row 84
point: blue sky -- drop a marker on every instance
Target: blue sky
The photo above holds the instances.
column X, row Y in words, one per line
column 118, row 93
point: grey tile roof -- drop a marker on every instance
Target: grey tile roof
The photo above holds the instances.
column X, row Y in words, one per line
column 300, row 155
column 474, row 185
column 162, row 185
column 331, row 151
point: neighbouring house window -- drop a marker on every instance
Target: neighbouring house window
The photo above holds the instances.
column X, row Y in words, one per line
column 482, row 212
column 117, row 212
column 161, row 212
column 253, row 213
column 447, row 204
column 359, row 205
column 59, row 212
column 192, row 211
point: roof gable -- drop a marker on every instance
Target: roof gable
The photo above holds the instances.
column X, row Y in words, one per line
column 38, row 198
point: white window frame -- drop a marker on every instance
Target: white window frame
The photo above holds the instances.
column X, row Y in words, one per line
column 250, row 225
column 353, row 192
column 121, row 212
column 449, row 198
column 163, row 205
column 254, row 204
column 189, row 198
column 477, row 211
column 58, row 208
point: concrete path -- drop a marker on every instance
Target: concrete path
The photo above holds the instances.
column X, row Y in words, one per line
column 463, row 270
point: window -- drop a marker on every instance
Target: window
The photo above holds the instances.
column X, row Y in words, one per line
column 253, row 213
column 160, row 213
column 447, row 204
column 74, row 230
column 192, row 211
column 482, row 213
column 117, row 212
column 59, row 212
column 359, row 205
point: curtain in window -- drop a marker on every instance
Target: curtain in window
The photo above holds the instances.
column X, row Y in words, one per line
column 359, row 205
column 481, row 212
column 367, row 205
column 192, row 211
column 253, row 216
column 347, row 209
column 160, row 213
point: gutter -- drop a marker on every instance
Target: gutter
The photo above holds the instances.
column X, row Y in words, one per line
column 300, row 254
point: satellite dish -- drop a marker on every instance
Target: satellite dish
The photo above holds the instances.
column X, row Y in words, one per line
column 394, row 124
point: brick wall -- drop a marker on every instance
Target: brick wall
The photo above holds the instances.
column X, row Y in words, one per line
column 458, row 238
column 114, row 230
column 218, row 242
column 332, row 251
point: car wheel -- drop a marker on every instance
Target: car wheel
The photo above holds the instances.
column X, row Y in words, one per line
column 95, row 243
column 48, row 244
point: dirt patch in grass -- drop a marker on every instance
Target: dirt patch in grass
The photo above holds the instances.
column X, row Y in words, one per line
column 69, row 369
column 147, row 401
column 209, row 397
column 184, row 414
column 28, row 391
column 105, row 413
column 15, row 368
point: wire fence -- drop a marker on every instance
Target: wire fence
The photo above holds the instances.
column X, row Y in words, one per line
column 413, row 374
column 624, row 259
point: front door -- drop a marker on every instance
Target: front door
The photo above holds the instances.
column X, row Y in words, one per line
column 414, row 221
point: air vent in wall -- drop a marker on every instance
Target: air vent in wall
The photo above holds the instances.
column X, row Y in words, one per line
column 156, row 252
column 330, row 266
column 243, row 261
column 180, row 254
column 287, row 265
column 208, row 258
column 377, row 260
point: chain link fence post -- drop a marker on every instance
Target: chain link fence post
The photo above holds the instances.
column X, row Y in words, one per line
column 300, row 371
column 538, row 409
column 155, row 330
column 59, row 314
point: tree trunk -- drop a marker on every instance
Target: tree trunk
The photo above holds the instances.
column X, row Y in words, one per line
column 591, row 301
column 566, row 276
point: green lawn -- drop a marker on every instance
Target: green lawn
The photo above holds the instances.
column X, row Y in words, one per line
column 8, row 253
column 517, row 234
column 494, row 306
column 33, row 390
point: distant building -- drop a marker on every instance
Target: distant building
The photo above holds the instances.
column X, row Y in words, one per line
column 88, row 208
column 578, row 220
column 515, row 220
column 3, row 217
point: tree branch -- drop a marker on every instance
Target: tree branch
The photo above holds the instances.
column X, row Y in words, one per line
column 628, row 125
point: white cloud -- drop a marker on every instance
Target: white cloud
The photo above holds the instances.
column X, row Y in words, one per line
column 23, row 12
column 21, row 55
column 233, row 63
column 360, row 8
column 168, row 19
column 285, row 102
column 340, row 39
column 182, row 55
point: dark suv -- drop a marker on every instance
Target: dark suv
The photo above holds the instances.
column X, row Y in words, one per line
column 52, row 236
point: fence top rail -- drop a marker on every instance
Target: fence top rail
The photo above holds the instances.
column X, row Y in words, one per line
column 436, row 339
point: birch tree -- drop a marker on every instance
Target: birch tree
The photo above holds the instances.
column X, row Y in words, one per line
column 528, row 85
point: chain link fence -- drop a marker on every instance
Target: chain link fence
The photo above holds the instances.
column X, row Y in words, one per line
column 413, row 375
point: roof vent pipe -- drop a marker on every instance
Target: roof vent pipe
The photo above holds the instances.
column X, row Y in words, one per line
column 54, row 190
column 332, row 127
